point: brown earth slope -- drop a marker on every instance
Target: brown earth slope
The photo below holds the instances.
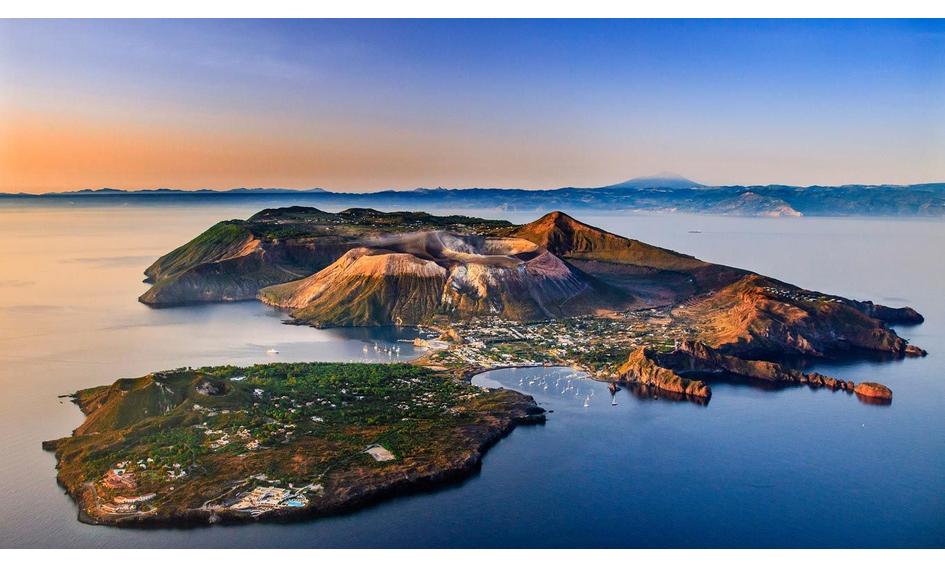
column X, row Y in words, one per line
column 656, row 276
column 419, row 276
column 760, row 317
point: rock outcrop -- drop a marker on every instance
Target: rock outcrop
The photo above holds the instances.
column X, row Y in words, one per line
column 643, row 367
column 674, row 371
column 873, row 390
column 889, row 315
column 699, row 358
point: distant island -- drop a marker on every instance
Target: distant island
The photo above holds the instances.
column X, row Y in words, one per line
column 271, row 441
column 662, row 193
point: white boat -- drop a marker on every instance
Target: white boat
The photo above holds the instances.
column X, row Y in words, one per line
column 587, row 401
column 272, row 351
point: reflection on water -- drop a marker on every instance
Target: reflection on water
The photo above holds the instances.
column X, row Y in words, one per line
column 648, row 392
column 559, row 385
column 870, row 400
column 788, row 467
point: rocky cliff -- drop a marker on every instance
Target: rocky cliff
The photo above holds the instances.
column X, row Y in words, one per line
column 644, row 367
column 677, row 371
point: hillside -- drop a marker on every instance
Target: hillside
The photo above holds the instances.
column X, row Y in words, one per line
column 656, row 275
column 234, row 259
column 564, row 236
column 762, row 317
column 416, row 277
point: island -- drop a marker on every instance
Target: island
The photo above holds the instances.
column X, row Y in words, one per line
column 554, row 291
column 227, row 444
column 285, row 440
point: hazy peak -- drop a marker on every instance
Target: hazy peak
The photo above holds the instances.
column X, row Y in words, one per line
column 665, row 179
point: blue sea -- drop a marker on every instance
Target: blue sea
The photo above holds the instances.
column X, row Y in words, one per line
column 791, row 467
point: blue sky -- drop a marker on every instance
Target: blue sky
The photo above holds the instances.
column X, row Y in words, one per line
column 361, row 105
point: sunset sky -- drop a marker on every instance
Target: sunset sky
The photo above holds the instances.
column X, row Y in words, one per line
column 367, row 105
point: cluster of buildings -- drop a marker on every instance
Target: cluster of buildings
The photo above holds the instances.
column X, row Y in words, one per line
column 120, row 478
column 588, row 341
column 800, row 295
column 263, row 499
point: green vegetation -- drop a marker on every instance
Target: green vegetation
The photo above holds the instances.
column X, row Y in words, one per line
column 181, row 438
column 220, row 240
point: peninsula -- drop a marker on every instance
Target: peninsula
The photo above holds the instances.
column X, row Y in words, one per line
column 229, row 444
column 226, row 444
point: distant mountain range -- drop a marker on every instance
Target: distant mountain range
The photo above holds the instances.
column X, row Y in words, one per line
column 665, row 192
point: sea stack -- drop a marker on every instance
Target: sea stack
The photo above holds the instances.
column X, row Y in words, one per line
column 873, row 390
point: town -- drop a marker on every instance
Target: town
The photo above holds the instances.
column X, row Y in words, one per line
column 596, row 345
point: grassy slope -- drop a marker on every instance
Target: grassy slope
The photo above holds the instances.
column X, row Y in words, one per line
column 219, row 241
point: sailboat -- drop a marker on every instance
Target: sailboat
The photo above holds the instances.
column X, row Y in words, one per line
column 587, row 401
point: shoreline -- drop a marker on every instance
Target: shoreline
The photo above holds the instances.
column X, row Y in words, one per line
column 407, row 487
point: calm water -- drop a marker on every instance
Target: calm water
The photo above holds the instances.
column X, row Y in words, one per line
column 791, row 468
